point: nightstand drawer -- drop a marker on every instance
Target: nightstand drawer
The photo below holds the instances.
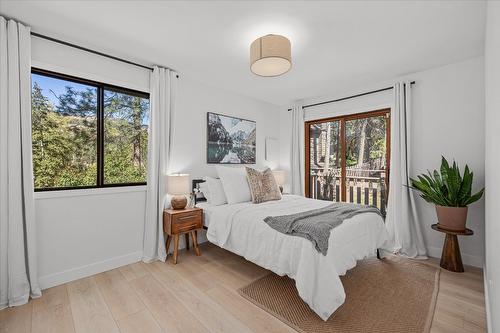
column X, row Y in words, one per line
column 185, row 222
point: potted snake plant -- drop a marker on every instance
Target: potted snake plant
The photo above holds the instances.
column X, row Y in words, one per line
column 450, row 192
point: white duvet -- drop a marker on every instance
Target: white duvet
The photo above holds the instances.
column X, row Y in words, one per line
column 240, row 228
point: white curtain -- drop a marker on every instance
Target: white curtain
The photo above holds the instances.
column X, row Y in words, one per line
column 162, row 100
column 401, row 219
column 297, row 151
column 18, row 261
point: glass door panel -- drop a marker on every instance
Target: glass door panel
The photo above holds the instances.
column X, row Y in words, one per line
column 347, row 158
column 366, row 160
column 325, row 160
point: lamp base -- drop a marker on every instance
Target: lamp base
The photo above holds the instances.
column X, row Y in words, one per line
column 178, row 202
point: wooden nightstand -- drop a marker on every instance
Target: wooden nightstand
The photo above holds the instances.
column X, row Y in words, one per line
column 183, row 221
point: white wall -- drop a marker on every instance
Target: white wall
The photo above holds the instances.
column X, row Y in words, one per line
column 63, row 59
column 448, row 119
column 83, row 232
column 360, row 104
column 492, row 81
column 190, row 133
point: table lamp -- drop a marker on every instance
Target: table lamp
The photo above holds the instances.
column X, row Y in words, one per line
column 178, row 186
column 279, row 176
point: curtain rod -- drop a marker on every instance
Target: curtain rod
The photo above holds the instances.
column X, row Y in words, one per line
column 55, row 40
column 349, row 97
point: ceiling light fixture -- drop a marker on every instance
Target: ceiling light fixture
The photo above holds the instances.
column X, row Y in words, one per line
column 270, row 55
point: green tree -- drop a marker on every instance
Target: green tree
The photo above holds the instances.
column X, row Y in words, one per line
column 50, row 144
column 65, row 137
column 126, row 137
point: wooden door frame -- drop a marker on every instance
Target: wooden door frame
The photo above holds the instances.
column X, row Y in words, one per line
column 386, row 113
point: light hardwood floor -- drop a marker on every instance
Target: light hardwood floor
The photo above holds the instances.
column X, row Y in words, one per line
column 199, row 295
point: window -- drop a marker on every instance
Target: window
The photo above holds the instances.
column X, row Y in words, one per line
column 347, row 158
column 87, row 134
column 126, row 118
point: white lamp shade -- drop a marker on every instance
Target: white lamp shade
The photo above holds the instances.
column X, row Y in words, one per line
column 178, row 184
column 270, row 55
column 279, row 175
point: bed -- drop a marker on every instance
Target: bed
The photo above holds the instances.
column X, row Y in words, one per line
column 240, row 228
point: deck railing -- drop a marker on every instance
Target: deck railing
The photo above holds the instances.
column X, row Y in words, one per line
column 362, row 186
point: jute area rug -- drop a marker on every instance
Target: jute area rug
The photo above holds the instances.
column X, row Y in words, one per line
column 390, row 295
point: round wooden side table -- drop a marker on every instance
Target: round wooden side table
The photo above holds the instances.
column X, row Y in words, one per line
column 451, row 258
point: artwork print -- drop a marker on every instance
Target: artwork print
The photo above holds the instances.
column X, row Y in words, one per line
column 230, row 140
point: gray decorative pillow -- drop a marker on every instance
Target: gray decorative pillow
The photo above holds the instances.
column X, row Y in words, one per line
column 263, row 186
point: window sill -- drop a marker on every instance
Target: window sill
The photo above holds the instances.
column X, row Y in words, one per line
column 89, row 191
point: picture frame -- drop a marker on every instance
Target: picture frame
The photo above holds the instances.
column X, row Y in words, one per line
column 230, row 140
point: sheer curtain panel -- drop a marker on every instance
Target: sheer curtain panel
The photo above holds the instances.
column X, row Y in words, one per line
column 297, row 151
column 162, row 100
column 18, row 257
column 402, row 220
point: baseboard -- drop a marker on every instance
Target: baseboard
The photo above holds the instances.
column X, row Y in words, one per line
column 467, row 259
column 59, row 278
column 52, row 280
column 487, row 300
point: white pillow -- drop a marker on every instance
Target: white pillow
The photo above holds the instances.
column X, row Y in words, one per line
column 235, row 184
column 217, row 196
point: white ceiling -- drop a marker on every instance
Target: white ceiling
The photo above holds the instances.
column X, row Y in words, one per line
column 334, row 44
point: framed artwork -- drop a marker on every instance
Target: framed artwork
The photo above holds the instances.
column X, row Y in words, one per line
column 230, row 140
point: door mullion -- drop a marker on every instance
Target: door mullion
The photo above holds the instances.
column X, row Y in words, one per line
column 343, row 188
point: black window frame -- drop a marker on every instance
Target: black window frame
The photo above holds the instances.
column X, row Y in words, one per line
column 101, row 87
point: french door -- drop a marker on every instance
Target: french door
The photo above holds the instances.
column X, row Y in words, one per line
column 348, row 158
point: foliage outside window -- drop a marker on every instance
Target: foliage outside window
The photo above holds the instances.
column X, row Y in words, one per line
column 347, row 158
column 126, row 119
column 86, row 134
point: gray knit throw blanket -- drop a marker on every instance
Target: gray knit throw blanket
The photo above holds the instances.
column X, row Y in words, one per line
column 315, row 225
